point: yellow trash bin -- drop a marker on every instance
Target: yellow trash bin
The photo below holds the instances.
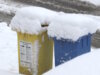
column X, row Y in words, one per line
column 35, row 53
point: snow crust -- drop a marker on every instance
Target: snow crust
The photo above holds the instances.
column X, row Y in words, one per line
column 95, row 2
column 87, row 64
column 61, row 25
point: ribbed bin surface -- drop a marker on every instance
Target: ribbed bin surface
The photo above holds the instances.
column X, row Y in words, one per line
column 66, row 50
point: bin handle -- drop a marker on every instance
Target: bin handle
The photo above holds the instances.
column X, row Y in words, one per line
column 44, row 25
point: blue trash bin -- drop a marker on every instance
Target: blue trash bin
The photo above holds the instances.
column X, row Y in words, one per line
column 66, row 50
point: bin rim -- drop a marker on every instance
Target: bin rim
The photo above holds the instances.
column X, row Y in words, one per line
column 44, row 29
column 70, row 40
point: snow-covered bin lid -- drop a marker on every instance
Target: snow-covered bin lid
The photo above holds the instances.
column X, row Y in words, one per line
column 73, row 26
column 61, row 25
column 29, row 19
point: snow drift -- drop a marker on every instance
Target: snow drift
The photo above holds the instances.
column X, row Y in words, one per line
column 88, row 64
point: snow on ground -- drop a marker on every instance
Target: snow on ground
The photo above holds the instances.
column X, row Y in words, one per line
column 7, row 73
column 13, row 3
column 8, row 51
column 95, row 2
column 7, row 9
column 87, row 64
column 10, row 6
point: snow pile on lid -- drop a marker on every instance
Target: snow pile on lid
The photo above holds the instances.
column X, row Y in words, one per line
column 72, row 26
column 61, row 25
column 30, row 19
column 95, row 2
column 88, row 64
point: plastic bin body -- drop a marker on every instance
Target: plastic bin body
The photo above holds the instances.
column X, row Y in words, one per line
column 27, row 51
column 66, row 50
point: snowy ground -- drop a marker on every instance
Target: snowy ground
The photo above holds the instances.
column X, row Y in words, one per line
column 87, row 64
column 95, row 2
column 10, row 6
column 8, row 51
column 13, row 3
column 8, row 9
